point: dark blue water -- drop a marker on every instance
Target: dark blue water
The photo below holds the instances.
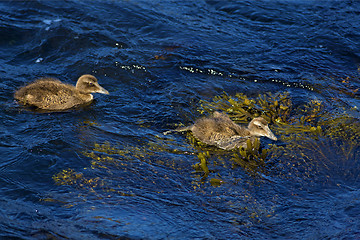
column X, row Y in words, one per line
column 106, row 172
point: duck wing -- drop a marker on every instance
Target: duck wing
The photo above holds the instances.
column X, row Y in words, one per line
column 48, row 94
column 61, row 99
column 232, row 142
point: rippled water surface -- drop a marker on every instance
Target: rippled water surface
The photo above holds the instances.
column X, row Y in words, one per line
column 106, row 171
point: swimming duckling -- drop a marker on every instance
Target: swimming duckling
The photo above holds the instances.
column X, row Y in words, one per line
column 52, row 94
column 221, row 131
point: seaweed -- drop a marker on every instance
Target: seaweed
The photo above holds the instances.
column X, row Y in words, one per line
column 321, row 144
column 312, row 138
column 69, row 177
column 273, row 107
column 252, row 158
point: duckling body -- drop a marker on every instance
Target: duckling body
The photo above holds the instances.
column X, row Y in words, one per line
column 219, row 130
column 52, row 94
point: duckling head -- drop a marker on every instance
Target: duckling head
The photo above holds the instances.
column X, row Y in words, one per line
column 259, row 127
column 88, row 84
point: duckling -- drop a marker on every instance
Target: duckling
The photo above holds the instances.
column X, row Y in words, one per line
column 52, row 94
column 219, row 130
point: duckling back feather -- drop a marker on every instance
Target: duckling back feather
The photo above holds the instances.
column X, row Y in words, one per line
column 218, row 127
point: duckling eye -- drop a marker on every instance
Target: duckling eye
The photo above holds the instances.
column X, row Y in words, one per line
column 91, row 84
column 259, row 127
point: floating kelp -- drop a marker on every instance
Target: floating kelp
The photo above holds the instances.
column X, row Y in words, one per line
column 251, row 158
column 317, row 146
column 70, row 177
column 67, row 177
column 311, row 137
column 273, row 107
column 215, row 182
column 116, row 170
column 202, row 165
column 306, row 121
column 321, row 144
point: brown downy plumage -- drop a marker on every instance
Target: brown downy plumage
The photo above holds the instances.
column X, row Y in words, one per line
column 219, row 130
column 51, row 94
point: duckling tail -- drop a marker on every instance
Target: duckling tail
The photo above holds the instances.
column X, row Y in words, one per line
column 181, row 129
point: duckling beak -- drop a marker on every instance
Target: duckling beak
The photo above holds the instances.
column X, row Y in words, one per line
column 102, row 90
column 269, row 134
